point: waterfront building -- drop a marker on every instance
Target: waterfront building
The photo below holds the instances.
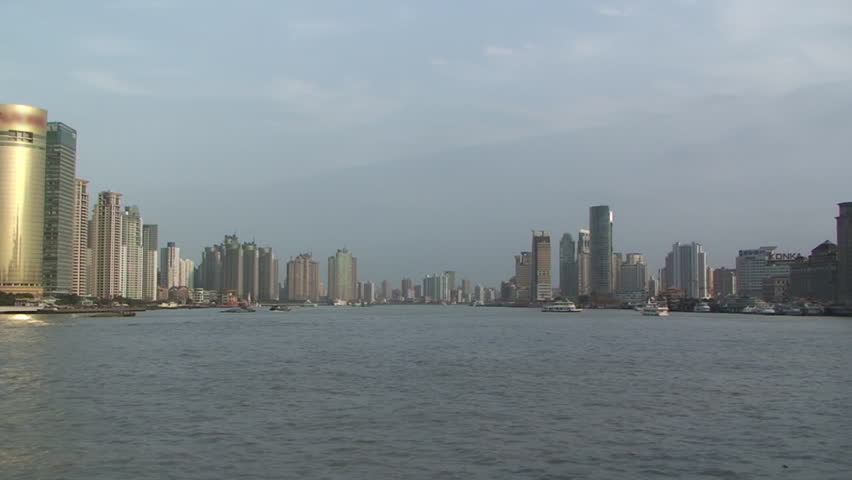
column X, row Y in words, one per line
column 387, row 293
column 686, row 270
column 466, row 289
column 170, row 265
column 133, row 256
column 844, row 253
column 232, row 265
column 584, row 263
column 815, row 278
column 724, row 282
column 407, row 289
column 754, row 266
column 436, row 287
column 303, row 278
column 541, row 286
column 451, row 280
column 418, row 292
column 59, row 197
column 80, row 239
column 105, row 231
column 368, row 290
column 22, row 173
column 342, row 276
column 633, row 276
column 617, row 260
column 150, row 261
column 268, row 276
column 600, row 238
column 251, row 271
column 523, row 276
column 186, row 273
column 568, row 271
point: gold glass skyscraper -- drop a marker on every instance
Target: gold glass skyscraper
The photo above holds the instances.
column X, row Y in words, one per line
column 22, row 166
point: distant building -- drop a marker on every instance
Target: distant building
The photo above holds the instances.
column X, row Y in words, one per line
column 59, row 195
column 633, row 276
column 724, row 282
column 268, row 276
column 815, row 278
column 523, row 275
column 303, row 279
column 436, row 287
column 686, row 270
column 600, row 233
column 368, row 294
column 132, row 253
column 150, row 261
column 80, row 239
column 251, row 271
column 754, row 266
column 387, row 292
column 342, row 276
column 541, row 268
column 467, row 290
column 105, row 231
column 170, row 266
column 844, row 253
column 617, row 260
column 584, row 263
column 407, row 289
column 232, row 265
column 568, row 271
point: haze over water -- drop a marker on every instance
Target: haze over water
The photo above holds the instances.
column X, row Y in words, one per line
column 424, row 392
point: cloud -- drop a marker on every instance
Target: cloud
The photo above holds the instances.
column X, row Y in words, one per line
column 614, row 11
column 494, row 51
column 755, row 19
column 109, row 82
column 312, row 29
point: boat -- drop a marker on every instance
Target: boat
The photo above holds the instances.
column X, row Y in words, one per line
column 767, row 311
column 702, row 307
column 653, row 310
column 123, row 313
column 239, row 310
column 279, row 308
column 561, row 306
column 340, row 303
column 812, row 309
column 309, row 303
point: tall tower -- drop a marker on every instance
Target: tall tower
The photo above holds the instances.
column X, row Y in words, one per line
column 600, row 231
column 131, row 242
column 232, row 265
column 22, row 172
column 268, row 275
column 584, row 263
column 106, row 250
column 251, row 271
column 686, row 269
column 524, row 275
column 170, row 266
column 541, row 273
column 303, row 278
column 844, row 253
column 568, row 274
column 60, row 169
column 150, row 261
column 80, row 238
column 342, row 276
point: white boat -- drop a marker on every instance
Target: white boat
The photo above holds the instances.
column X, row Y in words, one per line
column 702, row 307
column 561, row 306
column 340, row 303
column 654, row 310
column 768, row 311
column 309, row 303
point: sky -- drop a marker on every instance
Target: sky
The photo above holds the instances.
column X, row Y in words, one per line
column 431, row 136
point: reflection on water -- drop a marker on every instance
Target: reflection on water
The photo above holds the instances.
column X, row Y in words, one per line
column 22, row 318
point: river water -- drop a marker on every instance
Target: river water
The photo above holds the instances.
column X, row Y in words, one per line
column 425, row 392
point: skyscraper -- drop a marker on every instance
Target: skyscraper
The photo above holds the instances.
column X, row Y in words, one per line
column 251, row 271
column 754, row 266
column 568, row 272
column 600, row 233
column 844, row 253
column 133, row 254
column 724, row 282
column 451, row 280
column 303, row 278
column 22, row 174
column 524, row 275
column 232, row 265
column 436, row 287
column 584, row 263
column 387, row 294
column 268, row 275
column 541, row 270
column 633, row 276
column 80, row 238
column 106, row 246
column 170, row 266
column 150, row 261
column 59, row 189
column 616, row 271
column 686, row 269
column 342, row 276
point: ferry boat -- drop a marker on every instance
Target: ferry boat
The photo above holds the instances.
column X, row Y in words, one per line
column 654, row 310
column 561, row 306
column 309, row 303
column 702, row 307
column 239, row 310
column 279, row 308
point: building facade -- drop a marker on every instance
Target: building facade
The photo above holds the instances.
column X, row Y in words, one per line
column 844, row 253
column 686, row 270
column 80, row 239
column 815, row 278
column 523, row 276
column 23, row 132
column 59, row 196
column 268, row 281
column 542, row 282
column 133, row 255
column 600, row 239
column 568, row 271
column 342, row 276
column 303, row 278
column 754, row 266
column 150, row 261
column 584, row 263
column 106, row 231
column 724, row 282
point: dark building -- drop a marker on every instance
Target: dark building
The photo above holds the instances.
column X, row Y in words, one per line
column 724, row 282
column 844, row 253
column 568, row 272
column 815, row 278
column 600, row 236
column 61, row 156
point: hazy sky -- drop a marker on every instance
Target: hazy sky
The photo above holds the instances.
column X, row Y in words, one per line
column 434, row 135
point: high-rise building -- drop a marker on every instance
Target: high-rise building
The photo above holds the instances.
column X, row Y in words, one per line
column 105, row 231
column 150, row 261
column 633, row 275
column 541, row 270
column 436, row 287
column 686, row 269
column 523, row 276
column 724, row 282
column 584, row 263
column 467, row 289
column 22, row 173
column 251, row 271
column 59, row 189
column 133, row 254
column 303, row 278
column 170, row 266
column 186, row 273
column 568, row 271
column 844, row 253
column 451, row 279
column 754, row 266
column 600, row 239
column 268, row 276
column 342, row 276
column 815, row 278
column 387, row 292
column 80, row 239
column 616, row 271
column 368, row 292
column 407, row 288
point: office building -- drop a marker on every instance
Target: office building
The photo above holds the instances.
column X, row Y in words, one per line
column 170, row 266
column 541, row 269
column 568, row 271
column 451, row 280
column 133, row 254
column 342, row 276
column 844, row 253
column 268, row 275
column 724, row 282
column 150, row 261
column 80, row 239
column 523, row 276
column 436, row 287
column 686, row 270
column 754, row 266
column 251, row 271
column 59, row 196
column 815, row 278
column 633, row 276
column 387, row 292
column 232, row 265
column 22, row 173
column 303, row 279
column 584, row 263
column 600, row 239
column 105, row 233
